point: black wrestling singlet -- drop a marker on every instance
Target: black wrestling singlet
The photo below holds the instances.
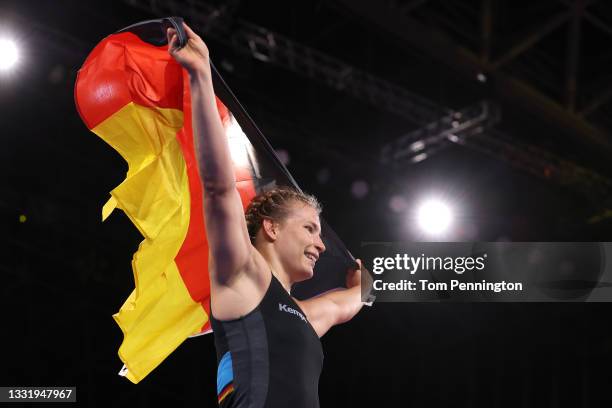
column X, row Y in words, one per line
column 269, row 358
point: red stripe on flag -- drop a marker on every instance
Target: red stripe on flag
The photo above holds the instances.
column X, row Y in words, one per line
column 101, row 91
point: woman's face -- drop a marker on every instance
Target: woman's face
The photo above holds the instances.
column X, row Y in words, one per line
column 299, row 241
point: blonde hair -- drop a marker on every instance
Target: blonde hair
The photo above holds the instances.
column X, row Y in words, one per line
column 275, row 204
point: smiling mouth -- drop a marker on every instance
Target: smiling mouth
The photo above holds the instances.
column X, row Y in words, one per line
column 312, row 257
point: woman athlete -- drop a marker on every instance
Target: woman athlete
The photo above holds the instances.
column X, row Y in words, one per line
column 268, row 348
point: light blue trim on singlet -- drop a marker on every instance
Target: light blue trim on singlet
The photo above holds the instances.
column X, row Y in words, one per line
column 225, row 373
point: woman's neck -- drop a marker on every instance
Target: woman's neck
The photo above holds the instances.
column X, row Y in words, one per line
column 277, row 269
column 283, row 279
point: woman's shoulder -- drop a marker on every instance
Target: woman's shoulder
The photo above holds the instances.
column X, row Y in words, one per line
column 244, row 293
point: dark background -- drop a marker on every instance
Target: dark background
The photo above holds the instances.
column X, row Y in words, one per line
column 541, row 172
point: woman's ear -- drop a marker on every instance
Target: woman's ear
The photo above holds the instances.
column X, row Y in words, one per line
column 269, row 228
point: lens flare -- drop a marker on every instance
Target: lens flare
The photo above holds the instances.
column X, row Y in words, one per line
column 434, row 217
column 9, row 54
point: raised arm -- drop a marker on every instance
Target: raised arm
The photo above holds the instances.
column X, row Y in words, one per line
column 226, row 229
column 335, row 307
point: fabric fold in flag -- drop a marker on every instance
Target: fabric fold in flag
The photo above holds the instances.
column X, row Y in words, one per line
column 134, row 96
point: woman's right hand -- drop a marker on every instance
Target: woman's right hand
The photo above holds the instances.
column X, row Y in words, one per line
column 193, row 56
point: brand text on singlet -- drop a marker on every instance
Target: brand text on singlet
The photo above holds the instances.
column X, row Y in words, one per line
column 285, row 308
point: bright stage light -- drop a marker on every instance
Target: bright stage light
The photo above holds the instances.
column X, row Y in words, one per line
column 434, row 217
column 240, row 147
column 9, row 55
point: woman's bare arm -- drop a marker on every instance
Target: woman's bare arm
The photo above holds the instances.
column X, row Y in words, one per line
column 228, row 238
column 332, row 308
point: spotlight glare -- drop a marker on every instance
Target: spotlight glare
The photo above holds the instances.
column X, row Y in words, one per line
column 419, row 158
column 9, row 55
column 453, row 138
column 240, row 147
column 418, row 145
column 283, row 156
column 359, row 189
column 397, row 203
column 434, row 217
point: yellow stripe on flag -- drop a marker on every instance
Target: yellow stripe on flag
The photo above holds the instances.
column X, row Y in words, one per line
column 159, row 314
column 108, row 208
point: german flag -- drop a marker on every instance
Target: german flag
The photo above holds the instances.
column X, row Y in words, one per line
column 132, row 94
